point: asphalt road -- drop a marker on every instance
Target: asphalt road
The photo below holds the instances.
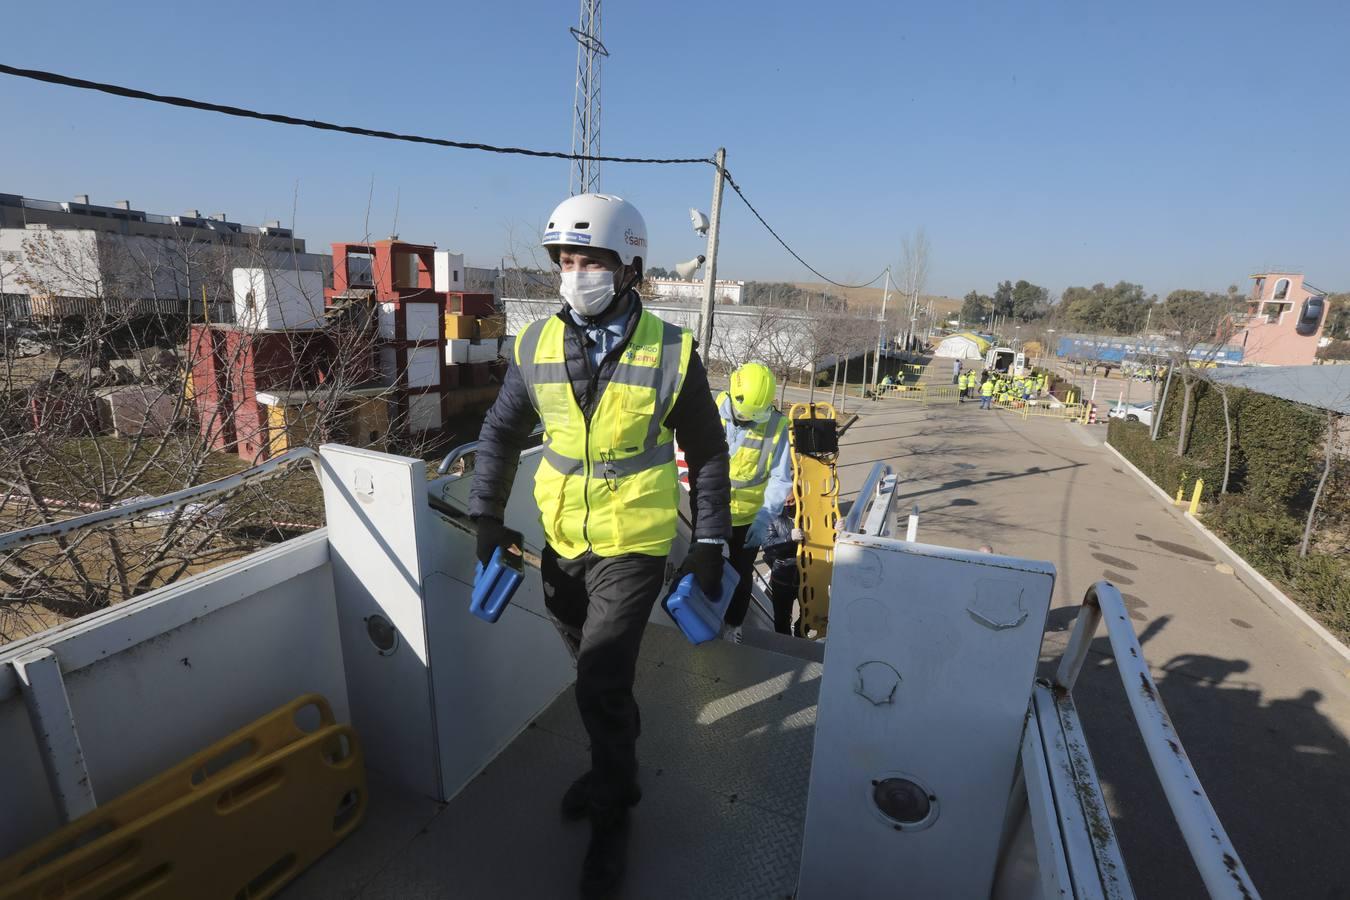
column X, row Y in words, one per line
column 1262, row 705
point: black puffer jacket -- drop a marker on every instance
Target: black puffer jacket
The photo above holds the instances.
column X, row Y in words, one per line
column 693, row 418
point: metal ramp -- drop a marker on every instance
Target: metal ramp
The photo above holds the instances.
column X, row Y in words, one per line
column 725, row 753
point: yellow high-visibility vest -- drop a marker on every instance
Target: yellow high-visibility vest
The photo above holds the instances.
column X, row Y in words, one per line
column 608, row 485
column 750, row 462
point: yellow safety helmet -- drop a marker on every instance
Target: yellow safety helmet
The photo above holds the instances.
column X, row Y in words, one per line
column 752, row 389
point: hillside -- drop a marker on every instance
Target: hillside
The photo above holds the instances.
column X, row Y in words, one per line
column 871, row 296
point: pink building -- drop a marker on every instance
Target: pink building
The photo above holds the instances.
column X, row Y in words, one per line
column 1284, row 321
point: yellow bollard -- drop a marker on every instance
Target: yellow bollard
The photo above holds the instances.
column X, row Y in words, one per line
column 1195, row 495
column 1181, row 493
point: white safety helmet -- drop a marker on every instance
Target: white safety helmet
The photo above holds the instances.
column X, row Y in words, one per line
column 598, row 220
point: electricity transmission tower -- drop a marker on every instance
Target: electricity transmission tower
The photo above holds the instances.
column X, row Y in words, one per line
column 586, row 105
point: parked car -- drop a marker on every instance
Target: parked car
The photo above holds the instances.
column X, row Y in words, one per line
column 1134, row 412
column 1310, row 316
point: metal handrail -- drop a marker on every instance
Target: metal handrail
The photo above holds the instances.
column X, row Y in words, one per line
column 868, row 491
column 261, row 472
column 1214, row 854
column 464, row 450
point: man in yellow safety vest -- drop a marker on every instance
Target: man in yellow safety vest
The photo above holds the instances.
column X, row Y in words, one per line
column 614, row 387
column 761, row 474
column 987, row 394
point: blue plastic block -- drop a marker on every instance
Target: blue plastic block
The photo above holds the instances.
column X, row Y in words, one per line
column 493, row 587
column 699, row 617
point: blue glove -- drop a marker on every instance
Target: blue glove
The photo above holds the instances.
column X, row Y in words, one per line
column 759, row 529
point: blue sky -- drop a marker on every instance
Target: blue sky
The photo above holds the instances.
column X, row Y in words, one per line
column 1180, row 144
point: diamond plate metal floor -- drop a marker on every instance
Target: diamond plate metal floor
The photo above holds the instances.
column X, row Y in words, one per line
column 726, row 755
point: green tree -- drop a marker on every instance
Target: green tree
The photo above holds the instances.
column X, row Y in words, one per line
column 1003, row 299
column 1123, row 309
column 975, row 308
column 1029, row 300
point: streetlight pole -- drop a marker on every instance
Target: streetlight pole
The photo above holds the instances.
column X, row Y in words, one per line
column 710, row 273
column 881, row 332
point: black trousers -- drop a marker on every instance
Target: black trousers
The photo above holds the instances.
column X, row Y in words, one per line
column 784, row 582
column 605, row 601
column 743, row 561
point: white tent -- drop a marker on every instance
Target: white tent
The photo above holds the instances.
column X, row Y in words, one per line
column 962, row 346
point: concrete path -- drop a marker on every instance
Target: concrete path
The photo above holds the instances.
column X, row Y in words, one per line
column 1262, row 705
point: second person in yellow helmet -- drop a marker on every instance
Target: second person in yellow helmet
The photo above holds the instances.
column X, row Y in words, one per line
column 761, row 473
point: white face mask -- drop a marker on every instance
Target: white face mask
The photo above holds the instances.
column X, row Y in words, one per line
column 588, row 293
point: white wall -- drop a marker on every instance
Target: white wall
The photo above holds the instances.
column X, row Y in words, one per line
column 675, row 289
column 739, row 332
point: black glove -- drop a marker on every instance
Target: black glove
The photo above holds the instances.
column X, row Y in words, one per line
column 704, row 561
column 492, row 533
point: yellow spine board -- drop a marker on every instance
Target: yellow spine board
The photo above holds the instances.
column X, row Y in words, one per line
column 815, row 486
column 165, row 837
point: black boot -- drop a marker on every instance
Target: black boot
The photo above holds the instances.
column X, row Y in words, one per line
column 607, row 857
column 577, row 801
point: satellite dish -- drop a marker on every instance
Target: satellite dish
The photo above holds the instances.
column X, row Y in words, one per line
column 686, row 270
column 699, row 221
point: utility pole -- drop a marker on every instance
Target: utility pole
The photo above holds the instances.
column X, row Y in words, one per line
column 710, row 272
column 881, row 332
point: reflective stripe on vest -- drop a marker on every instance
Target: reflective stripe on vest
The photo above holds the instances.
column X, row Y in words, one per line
column 608, row 484
column 751, row 459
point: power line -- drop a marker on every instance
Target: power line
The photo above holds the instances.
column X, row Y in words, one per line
column 243, row 113
column 186, row 103
column 748, row 205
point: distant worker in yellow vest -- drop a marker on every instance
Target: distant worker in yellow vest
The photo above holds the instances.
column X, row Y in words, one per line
column 987, row 394
column 614, row 387
column 761, row 474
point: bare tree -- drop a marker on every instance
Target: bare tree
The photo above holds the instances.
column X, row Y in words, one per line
column 1196, row 322
column 117, row 411
column 1329, row 456
column 913, row 276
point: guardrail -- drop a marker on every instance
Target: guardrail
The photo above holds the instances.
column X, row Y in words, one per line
column 464, row 450
column 878, row 487
column 1213, row 853
column 274, row 467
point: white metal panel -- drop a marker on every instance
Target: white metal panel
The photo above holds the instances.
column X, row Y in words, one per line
column 277, row 299
column 422, row 321
column 455, row 690
column 424, row 366
column 490, row 680
column 424, row 412
column 459, row 351
column 1094, row 859
column 54, row 727
column 370, row 500
column 92, row 638
column 1052, row 863
column 928, row 673
column 153, row 680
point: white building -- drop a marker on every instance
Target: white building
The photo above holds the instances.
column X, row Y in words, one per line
column 58, row 259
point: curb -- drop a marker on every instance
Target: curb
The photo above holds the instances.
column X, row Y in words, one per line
column 1317, row 628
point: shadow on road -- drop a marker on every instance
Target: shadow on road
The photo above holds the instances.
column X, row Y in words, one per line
column 1276, row 769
